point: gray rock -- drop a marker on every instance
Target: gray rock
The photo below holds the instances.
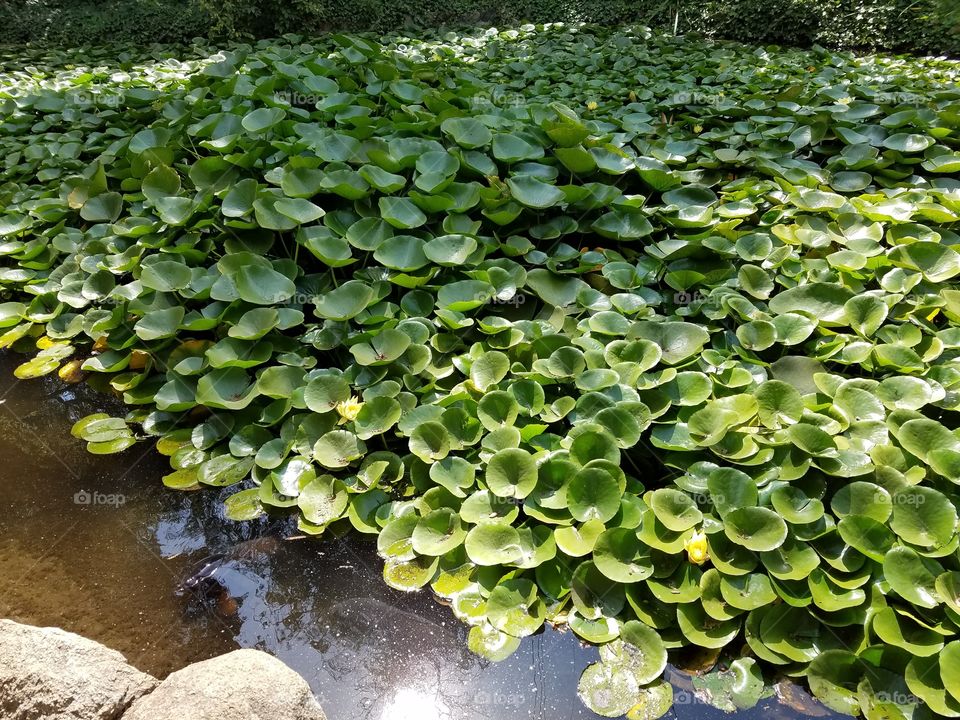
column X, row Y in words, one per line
column 241, row 685
column 50, row 674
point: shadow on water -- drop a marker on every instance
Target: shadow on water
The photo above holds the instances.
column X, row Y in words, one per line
column 96, row 545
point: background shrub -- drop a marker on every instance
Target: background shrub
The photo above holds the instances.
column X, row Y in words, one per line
column 924, row 26
column 66, row 23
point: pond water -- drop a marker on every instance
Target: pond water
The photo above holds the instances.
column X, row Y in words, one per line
column 97, row 546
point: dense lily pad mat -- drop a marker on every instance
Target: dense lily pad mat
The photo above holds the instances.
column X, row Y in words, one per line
column 650, row 337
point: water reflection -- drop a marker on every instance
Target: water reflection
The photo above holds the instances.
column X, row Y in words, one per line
column 115, row 573
column 378, row 653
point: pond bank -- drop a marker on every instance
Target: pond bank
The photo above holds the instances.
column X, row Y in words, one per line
column 51, row 674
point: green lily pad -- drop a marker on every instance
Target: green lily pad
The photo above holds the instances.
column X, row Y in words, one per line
column 676, row 510
column 514, row 608
column 755, row 528
column 620, row 555
column 923, row 516
column 834, row 677
column 593, row 494
column 493, row 544
column 640, row 649
column 910, row 577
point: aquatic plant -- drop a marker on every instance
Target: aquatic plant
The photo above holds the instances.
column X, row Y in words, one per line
column 651, row 337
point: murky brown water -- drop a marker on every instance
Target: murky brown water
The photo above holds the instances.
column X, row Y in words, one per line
column 96, row 545
column 94, row 569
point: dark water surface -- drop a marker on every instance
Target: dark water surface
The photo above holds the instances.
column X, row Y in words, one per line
column 97, row 546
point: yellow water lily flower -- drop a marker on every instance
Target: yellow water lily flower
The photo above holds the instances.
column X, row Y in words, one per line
column 349, row 409
column 696, row 548
column 632, row 96
column 71, row 372
column 592, row 105
column 138, row 359
column 698, row 129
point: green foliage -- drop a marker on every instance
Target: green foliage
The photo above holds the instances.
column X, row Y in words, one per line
column 925, row 26
column 67, row 23
column 655, row 338
column 267, row 18
column 901, row 25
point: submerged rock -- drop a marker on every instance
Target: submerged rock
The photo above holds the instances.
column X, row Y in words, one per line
column 241, row 685
column 51, row 674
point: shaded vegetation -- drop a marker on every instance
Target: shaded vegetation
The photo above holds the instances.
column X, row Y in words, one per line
column 920, row 26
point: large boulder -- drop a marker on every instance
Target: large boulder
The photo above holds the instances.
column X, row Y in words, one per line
column 241, row 685
column 51, row 674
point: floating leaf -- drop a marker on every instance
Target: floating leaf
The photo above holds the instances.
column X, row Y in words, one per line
column 755, row 528
column 493, row 544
